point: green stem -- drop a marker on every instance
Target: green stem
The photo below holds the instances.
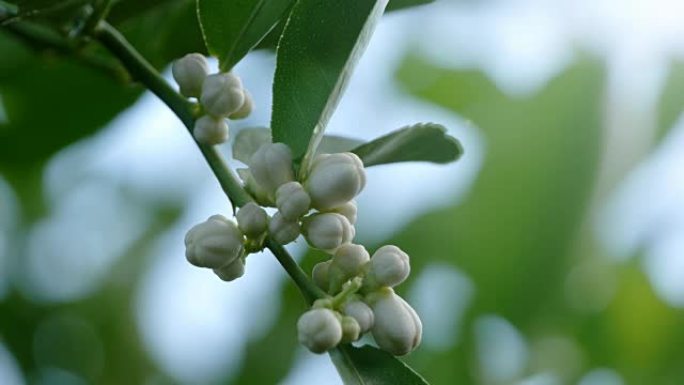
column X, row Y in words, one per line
column 143, row 72
column 348, row 289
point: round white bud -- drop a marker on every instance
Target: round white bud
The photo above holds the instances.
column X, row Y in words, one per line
column 397, row 328
column 320, row 275
column 351, row 331
column 245, row 109
column 231, row 271
column 210, row 130
column 292, row 201
column 282, row 230
column 252, row 220
column 335, row 179
column 319, row 330
column 190, row 72
column 327, row 231
column 389, row 266
column 348, row 210
column 349, row 260
column 271, row 167
column 222, row 94
column 361, row 312
column 213, row 243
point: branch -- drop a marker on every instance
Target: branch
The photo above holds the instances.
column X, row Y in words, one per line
column 143, row 72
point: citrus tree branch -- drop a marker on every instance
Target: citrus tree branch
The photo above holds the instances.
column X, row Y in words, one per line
column 143, row 72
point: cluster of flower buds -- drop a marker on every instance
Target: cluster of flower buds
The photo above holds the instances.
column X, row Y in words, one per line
column 221, row 95
column 362, row 300
column 320, row 206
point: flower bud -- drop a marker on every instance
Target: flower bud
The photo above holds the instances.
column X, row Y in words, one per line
column 282, row 230
column 190, row 72
column 245, row 109
column 389, row 266
column 320, row 275
column 361, row 312
column 222, row 94
column 213, row 243
column 397, row 328
column 210, row 130
column 335, row 179
column 349, row 260
column 252, row 220
column 271, row 167
column 231, row 271
column 292, row 201
column 327, row 231
column 348, row 210
column 351, row 331
column 319, row 330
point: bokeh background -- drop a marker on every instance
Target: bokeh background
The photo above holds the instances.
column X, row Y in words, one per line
column 552, row 253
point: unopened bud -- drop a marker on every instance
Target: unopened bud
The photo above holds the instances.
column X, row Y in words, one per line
column 320, row 275
column 327, row 231
column 245, row 109
column 231, row 271
column 213, row 243
column 351, row 331
column 348, row 210
column 335, row 179
column 389, row 267
column 253, row 188
column 190, row 72
column 222, row 94
column 361, row 312
column 349, row 260
column 397, row 328
column 282, row 230
column 271, row 167
column 252, row 220
column 292, row 201
column 210, row 130
column 319, row 330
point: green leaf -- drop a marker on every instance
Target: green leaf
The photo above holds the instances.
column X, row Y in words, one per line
column 320, row 45
column 232, row 28
column 420, row 142
column 401, row 4
column 371, row 366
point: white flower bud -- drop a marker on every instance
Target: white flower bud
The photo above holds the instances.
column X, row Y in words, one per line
column 397, row 328
column 335, row 179
column 190, row 72
column 327, row 231
column 252, row 220
column 282, row 230
column 319, row 330
column 222, row 94
column 389, row 266
column 292, row 201
column 349, row 260
column 271, row 167
column 348, row 210
column 210, row 130
column 361, row 312
column 245, row 109
column 254, row 189
column 351, row 331
column 213, row 243
column 320, row 275
column 231, row 271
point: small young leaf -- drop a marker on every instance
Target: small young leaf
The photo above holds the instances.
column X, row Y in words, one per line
column 320, row 45
column 426, row 142
column 232, row 28
column 371, row 366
